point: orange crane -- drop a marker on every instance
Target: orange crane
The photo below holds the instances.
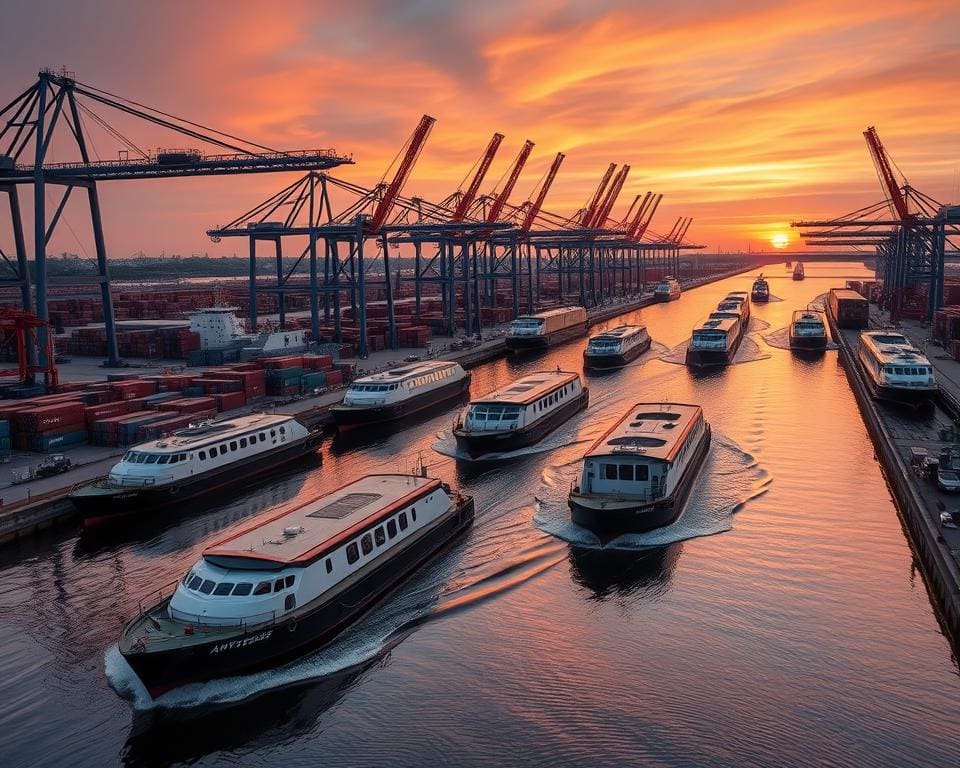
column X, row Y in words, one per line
column 414, row 147
column 613, row 192
column 590, row 211
column 467, row 198
column 639, row 225
column 897, row 198
column 501, row 199
column 537, row 204
column 21, row 328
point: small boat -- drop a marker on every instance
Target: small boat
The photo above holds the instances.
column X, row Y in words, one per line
column 715, row 341
column 271, row 591
column 798, row 271
column 545, row 329
column 207, row 456
column 639, row 474
column 789, row 265
column 667, row 289
column 398, row 393
column 895, row 371
column 617, row 347
column 808, row 331
column 519, row 414
column 760, row 290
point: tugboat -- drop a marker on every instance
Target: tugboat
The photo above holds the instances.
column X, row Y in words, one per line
column 895, row 371
column 667, row 289
column 270, row 592
column 546, row 328
column 798, row 271
column 639, row 474
column 760, row 290
column 808, row 331
column 208, row 456
column 398, row 393
column 519, row 414
column 616, row 348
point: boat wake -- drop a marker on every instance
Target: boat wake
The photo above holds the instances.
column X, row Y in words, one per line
column 780, row 339
column 730, row 478
column 748, row 352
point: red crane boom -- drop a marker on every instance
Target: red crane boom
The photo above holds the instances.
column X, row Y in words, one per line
column 634, row 224
column 898, row 202
column 414, row 146
column 683, row 231
column 642, row 229
column 544, row 188
column 494, row 213
column 590, row 211
column 611, row 197
column 466, row 200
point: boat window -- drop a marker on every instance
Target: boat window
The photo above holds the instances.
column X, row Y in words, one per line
column 273, row 433
column 278, row 585
column 366, row 544
column 290, row 603
column 163, row 460
column 186, row 577
column 283, row 430
column 413, row 513
column 642, row 473
column 207, row 586
column 127, row 456
column 402, row 519
column 263, row 588
column 391, row 528
column 243, row 442
column 223, row 588
column 263, row 437
column 195, row 582
column 152, row 458
column 626, row 472
column 379, row 536
column 353, row 554
column 610, row 471
column 288, row 581
column 329, row 564
column 244, row 588
column 181, row 457
column 233, row 445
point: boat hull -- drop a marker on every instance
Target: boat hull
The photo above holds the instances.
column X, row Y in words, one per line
column 606, row 362
column 524, row 343
column 474, row 445
column 762, row 298
column 104, row 506
column 267, row 645
column 350, row 417
column 624, row 517
column 913, row 397
column 664, row 297
column 808, row 343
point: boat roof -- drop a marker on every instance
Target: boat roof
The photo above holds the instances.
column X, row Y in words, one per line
column 324, row 523
column 550, row 313
column 738, row 296
column 668, row 279
column 893, row 347
column 529, row 388
column 651, row 430
column 404, row 372
column 723, row 324
column 207, row 432
column 809, row 315
column 620, row 332
column 846, row 293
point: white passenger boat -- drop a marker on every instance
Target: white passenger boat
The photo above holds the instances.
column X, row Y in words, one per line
column 715, row 340
column 398, row 393
column 617, row 347
column 667, row 289
column 519, row 414
column 545, row 329
column 895, row 370
column 270, row 591
column 808, row 331
column 208, row 456
column 639, row 474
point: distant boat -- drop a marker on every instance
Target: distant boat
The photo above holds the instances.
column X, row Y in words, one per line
column 761, row 290
column 667, row 289
column 789, row 265
column 798, row 271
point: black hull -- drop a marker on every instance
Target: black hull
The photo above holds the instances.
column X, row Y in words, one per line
column 348, row 417
column 268, row 645
column 808, row 344
column 713, row 358
column 606, row 362
column 102, row 507
column 475, row 446
column 647, row 516
column 760, row 298
column 659, row 297
column 913, row 398
column 526, row 343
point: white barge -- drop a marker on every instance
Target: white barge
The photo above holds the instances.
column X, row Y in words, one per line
column 545, row 329
column 667, row 289
column 895, row 371
column 808, row 331
column 617, row 347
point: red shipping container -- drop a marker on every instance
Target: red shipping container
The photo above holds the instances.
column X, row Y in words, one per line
column 290, row 361
column 334, row 378
column 230, row 400
column 190, row 405
column 97, row 412
column 48, row 417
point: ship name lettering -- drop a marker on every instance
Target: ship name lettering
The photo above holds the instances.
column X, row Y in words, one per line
column 241, row 643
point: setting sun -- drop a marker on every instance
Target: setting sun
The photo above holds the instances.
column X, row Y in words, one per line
column 780, row 240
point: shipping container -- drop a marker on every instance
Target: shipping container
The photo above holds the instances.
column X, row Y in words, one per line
column 848, row 308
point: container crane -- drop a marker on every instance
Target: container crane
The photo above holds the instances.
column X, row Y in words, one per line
column 641, row 228
column 894, row 191
column 537, row 204
column 590, row 211
column 610, row 199
column 414, row 147
column 501, row 199
column 467, row 198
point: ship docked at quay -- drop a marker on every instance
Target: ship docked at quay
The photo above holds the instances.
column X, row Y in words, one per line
column 209, row 456
column 545, row 329
column 271, row 591
column 667, row 289
column 895, row 370
column 808, row 331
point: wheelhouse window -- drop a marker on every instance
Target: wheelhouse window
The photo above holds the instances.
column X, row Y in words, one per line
column 366, row 544
column 402, row 519
column 288, row 581
column 391, row 528
column 263, row 588
column 207, row 586
column 641, row 473
column 223, row 588
column 152, row 458
column 379, row 536
column 195, row 583
column 278, row 585
column 626, row 472
column 353, row 553
column 242, row 589
column 609, row 471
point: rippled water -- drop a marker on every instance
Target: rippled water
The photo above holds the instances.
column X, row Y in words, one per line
column 799, row 633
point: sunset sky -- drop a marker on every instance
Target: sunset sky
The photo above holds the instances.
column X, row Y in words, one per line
column 744, row 114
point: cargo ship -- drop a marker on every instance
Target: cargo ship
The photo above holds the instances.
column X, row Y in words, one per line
column 667, row 289
column 638, row 475
column 848, row 308
column 271, row 591
column 895, row 371
column 208, row 456
column 808, row 331
column 617, row 347
column 399, row 392
column 545, row 329
column 760, row 290
column 520, row 414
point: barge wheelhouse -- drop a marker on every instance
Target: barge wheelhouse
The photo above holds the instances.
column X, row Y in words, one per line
column 273, row 590
column 894, row 370
column 519, row 414
column 398, row 393
column 208, row 456
column 808, row 331
column 545, row 329
column 639, row 474
column 667, row 289
column 617, row 347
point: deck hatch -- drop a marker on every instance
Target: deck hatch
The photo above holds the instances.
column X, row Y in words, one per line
column 345, row 505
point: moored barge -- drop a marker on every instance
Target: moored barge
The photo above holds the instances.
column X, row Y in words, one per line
column 545, row 329
column 894, row 370
column 667, row 289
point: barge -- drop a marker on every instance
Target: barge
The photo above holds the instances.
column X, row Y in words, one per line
column 760, row 290
column 808, row 331
column 546, row 329
column 617, row 347
column 894, row 370
column 667, row 289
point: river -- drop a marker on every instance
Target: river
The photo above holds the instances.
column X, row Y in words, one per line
column 782, row 621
